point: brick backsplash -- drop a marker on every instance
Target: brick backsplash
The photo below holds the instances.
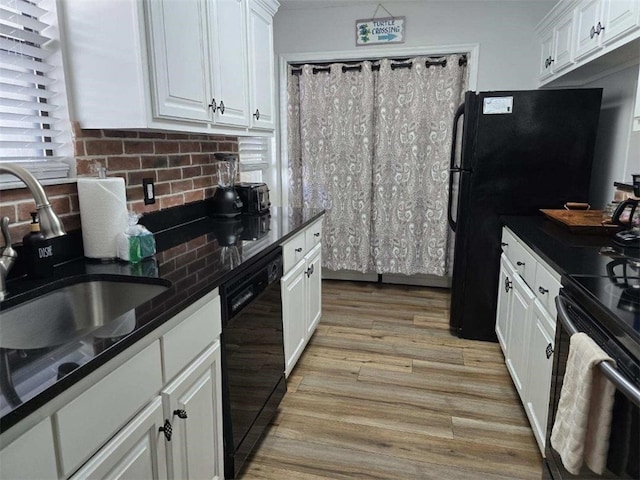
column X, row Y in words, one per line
column 180, row 164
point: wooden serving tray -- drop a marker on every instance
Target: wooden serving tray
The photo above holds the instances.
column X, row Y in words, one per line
column 586, row 222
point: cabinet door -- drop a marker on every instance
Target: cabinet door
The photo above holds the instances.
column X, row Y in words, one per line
column 314, row 289
column 17, row 460
column 294, row 310
column 505, row 287
column 587, row 16
column 562, row 38
column 195, row 450
column 229, row 32
column 138, row 451
column 621, row 17
column 180, row 60
column 518, row 339
column 540, row 367
column 546, row 54
column 261, row 71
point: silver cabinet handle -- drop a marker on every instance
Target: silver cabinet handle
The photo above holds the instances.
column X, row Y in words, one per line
column 221, row 107
column 542, row 290
column 317, row 234
column 508, row 285
column 257, row 114
column 213, row 105
column 299, row 249
column 520, row 264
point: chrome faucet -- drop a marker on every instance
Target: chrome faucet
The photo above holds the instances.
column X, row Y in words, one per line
column 50, row 224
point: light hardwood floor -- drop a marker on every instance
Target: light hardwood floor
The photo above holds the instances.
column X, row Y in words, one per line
column 384, row 391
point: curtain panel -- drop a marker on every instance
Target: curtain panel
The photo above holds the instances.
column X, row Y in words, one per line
column 371, row 146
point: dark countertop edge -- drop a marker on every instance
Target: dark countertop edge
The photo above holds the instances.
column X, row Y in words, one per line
column 31, row 406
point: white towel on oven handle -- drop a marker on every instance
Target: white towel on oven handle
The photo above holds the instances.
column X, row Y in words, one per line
column 583, row 421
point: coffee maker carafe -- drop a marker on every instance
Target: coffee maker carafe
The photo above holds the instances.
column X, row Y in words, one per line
column 225, row 201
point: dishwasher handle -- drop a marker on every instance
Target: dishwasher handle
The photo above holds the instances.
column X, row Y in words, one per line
column 612, row 373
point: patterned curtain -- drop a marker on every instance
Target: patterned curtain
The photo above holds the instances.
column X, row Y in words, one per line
column 372, row 148
column 333, row 158
column 414, row 110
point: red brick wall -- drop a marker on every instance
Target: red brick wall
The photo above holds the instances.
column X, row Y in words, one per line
column 180, row 164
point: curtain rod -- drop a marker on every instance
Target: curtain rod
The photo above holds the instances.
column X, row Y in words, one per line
column 356, row 65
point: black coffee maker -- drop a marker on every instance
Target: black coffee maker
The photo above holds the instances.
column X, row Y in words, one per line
column 627, row 215
column 225, row 201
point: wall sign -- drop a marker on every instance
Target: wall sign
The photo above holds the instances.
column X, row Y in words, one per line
column 374, row 31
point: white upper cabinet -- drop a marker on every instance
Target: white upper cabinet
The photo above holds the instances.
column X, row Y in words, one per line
column 180, row 59
column 198, row 66
column 230, row 69
column 261, row 60
column 582, row 39
column 589, row 25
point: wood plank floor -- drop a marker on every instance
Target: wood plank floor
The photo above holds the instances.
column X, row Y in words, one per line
column 384, row 391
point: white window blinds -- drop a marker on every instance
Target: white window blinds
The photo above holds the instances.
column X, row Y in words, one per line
column 254, row 152
column 32, row 95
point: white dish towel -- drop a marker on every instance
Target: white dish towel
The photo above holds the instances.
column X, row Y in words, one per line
column 583, row 422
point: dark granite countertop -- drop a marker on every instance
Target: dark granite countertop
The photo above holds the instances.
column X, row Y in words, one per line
column 565, row 252
column 192, row 259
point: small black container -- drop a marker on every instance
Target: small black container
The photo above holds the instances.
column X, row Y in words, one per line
column 38, row 251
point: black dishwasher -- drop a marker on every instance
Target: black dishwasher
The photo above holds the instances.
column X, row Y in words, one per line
column 253, row 381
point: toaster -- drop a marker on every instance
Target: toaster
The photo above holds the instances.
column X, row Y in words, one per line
column 254, row 196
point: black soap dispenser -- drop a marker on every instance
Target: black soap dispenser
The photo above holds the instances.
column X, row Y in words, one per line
column 38, row 251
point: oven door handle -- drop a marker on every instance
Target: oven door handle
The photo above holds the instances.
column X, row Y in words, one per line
column 612, row 373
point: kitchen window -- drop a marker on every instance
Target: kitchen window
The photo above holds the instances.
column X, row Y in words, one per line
column 34, row 121
column 255, row 154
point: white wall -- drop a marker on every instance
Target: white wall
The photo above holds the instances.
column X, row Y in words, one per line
column 504, row 30
column 617, row 153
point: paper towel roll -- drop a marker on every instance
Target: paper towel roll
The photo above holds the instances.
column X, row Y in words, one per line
column 103, row 213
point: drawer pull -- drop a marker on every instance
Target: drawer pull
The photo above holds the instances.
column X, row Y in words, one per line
column 299, row 249
column 180, row 413
column 520, row 264
column 504, row 244
column 508, row 285
column 317, row 234
column 213, row 105
column 549, row 351
column 167, row 429
column 257, row 114
column 309, row 271
column 542, row 290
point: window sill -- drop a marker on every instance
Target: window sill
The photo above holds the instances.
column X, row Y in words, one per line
column 51, row 181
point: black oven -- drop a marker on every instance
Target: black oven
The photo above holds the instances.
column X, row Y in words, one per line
column 580, row 312
column 253, row 364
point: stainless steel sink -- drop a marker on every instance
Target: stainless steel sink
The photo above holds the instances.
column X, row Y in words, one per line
column 104, row 308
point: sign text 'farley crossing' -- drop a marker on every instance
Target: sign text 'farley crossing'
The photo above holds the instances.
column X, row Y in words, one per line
column 380, row 30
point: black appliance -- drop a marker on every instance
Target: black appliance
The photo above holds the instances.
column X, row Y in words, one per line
column 226, row 201
column 254, row 197
column 521, row 151
column 253, row 381
column 596, row 305
column 630, row 237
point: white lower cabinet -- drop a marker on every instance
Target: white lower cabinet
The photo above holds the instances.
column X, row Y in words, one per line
column 156, row 415
column 525, row 326
column 517, row 355
column 31, row 456
column 293, row 307
column 301, row 291
column 192, row 406
column 137, row 451
column 541, row 345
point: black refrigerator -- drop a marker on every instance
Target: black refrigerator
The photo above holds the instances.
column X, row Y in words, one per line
column 520, row 151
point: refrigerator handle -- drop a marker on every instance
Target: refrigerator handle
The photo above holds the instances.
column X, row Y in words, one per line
column 452, row 167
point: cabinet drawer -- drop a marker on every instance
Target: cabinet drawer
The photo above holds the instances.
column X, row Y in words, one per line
column 87, row 421
column 524, row 262
column 546, row 288
column 185, row 342
column 508, row 241
column 313, row 235
column 293, row 251
column 18, row 459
